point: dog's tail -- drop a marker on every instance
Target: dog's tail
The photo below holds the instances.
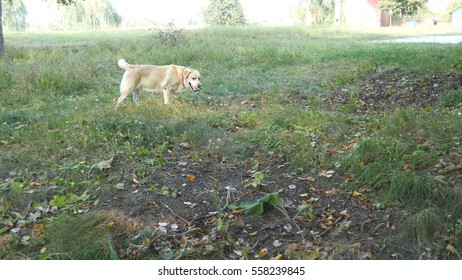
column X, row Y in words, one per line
column 123, row 64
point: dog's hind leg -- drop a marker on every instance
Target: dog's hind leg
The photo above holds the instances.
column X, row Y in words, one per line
column 136, row 96
column 124, row 92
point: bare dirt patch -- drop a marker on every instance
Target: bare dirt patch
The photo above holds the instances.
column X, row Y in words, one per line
column 187, row 202
column 383, row 91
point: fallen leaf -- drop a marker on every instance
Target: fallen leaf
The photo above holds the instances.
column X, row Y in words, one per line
column 277, row 243
column 147, row 242
column 190, row 177
column 451, row 249
column 185, row 145
column 253, row 233
column 34, row 216
column 344, row 213
column 331, row 192
column 110, row 224
column 330, row 219
column 263, row 252
column 355, row 194
column 278, row 257
column 25, row 240
column 369, row 255
column 184, row 239
column 327, row 173
column 288, row 227
column 356, row 245
column 346, row 147
column 238, row 223
column 174, row 227
column 314, row 254
column 105, row 164
column 33, row 184
column 310, row 200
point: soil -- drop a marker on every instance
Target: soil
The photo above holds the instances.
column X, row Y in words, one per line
column 383, row 91
column 191, row 214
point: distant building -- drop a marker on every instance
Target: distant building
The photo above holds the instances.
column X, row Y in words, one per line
column 362, row 12
column 456, row 16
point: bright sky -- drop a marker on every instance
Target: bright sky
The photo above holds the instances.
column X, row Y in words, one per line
column 183, row 11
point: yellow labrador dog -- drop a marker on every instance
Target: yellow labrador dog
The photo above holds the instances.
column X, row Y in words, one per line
column 153, row 78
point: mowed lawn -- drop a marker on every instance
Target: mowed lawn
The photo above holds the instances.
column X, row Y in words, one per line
column 351, row 149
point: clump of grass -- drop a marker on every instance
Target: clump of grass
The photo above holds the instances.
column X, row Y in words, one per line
column 88, row 237
column 399, row 164
column 424, row 225
column 299, row 138
column 452, row 99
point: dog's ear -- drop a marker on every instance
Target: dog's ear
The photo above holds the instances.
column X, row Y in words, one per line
column 186, row 73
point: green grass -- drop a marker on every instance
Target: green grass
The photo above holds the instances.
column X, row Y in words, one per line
column 263, row 91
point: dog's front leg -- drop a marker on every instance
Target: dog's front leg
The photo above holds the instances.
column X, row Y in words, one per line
column 166, row 95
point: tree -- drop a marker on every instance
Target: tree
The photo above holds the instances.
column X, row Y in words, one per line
column 2, row 45
column 402, row 8
column 454, row 5
column 14, row 15
column 89, row 14
column 315, row 11
column 224, row 12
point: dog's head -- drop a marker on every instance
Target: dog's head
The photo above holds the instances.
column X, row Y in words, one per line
column 192, row 78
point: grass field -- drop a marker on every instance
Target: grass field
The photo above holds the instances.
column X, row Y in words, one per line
column 359, row 142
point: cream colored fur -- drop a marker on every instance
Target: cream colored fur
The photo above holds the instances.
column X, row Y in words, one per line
column 153, row 78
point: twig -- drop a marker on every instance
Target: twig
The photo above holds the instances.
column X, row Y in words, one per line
column 333, row 224
column 260, row 240
column 181, row 218
column 283, row 211
column 346, row 201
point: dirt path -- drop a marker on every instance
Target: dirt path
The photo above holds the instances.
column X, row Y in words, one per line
column 445, row 39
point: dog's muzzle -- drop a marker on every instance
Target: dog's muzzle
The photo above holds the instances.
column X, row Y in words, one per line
column 195, row 89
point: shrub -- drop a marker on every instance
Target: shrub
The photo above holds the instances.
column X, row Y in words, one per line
column 224, row 12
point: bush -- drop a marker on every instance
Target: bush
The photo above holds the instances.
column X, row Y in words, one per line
column 224, row 12
column 170, row 35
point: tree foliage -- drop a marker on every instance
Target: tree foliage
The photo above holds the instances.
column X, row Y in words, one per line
column 14, row 15
column 84, row 14
column 9, row 2
column 455, row 4
column 2, row 48
column 314, row 11
column 224, row 12
column 402, row 7
column 321, row 10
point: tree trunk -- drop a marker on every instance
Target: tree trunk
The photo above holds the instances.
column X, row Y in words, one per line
column 2, row 47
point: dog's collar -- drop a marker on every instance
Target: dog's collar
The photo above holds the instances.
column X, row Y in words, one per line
column 182, row 81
